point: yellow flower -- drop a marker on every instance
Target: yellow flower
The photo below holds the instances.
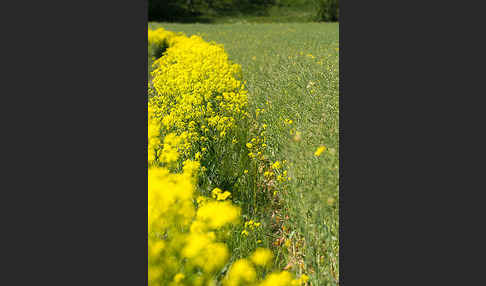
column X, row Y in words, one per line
column 241, row 273
column 276, row 165
column 287, row 242
column 210, row 213
column 223, row 196
column 304, row 278
column 178, row 277
column 261, row 257
column 319, row 151
column 283, row 278
column 215, row 192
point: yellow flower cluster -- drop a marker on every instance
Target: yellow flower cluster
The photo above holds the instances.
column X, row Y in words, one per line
column 159, row 40
column 250, row 226
column 178, row 231
column 196, row 103
column 278, row 170
column 183, row 244
column 219, row 195
column 242, row 272
column 196, row 93
column 257, row 146
column 262, row 256
column 159, row 36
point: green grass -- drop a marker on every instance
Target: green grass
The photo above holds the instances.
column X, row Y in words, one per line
column 289, row 83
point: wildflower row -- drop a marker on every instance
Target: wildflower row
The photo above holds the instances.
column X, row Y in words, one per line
column 197, row 109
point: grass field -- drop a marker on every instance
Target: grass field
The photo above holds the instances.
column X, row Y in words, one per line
column 292, row 72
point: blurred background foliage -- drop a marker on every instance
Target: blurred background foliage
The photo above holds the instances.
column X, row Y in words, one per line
column 230, row 11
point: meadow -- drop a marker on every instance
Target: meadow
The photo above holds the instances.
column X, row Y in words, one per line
column 289, row 200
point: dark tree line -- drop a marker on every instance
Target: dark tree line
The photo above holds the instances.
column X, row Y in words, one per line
column 176, row 10
column 160, row 10
column 328, row 10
